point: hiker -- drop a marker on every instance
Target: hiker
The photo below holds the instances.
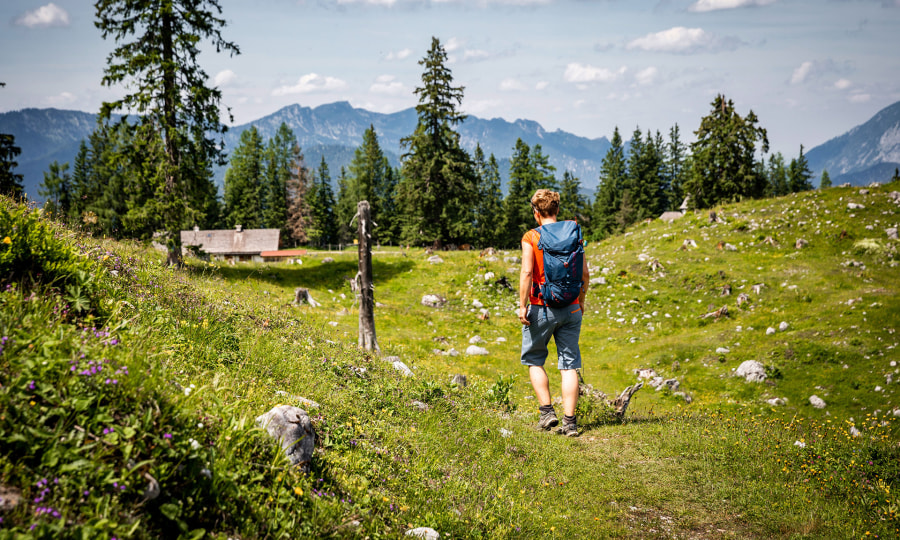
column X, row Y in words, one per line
column 552, row 306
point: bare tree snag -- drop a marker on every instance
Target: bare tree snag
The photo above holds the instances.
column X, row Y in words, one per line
column 366, row 287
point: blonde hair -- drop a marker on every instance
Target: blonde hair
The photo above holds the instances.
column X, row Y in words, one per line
column 546, row 202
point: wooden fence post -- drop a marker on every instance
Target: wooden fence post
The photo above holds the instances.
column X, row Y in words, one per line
column 366, row 287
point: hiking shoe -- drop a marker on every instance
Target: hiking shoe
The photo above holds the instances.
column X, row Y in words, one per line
column 569, row 430
column 548, row 420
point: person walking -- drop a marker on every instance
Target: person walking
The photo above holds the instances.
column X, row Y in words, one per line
column 552, row 307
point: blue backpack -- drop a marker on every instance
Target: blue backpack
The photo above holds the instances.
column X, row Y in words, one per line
column 563, row 247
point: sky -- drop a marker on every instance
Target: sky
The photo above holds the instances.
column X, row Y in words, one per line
column 810, row 69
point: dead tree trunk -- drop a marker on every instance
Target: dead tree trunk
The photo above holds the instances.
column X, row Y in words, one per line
column 366, row 287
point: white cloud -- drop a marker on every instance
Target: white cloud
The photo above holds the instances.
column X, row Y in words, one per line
column 511, row 85
column 44, row 17
column 578, row 73
column 843, row 84
column 387, row 3
column 860, row 98
column 61, row 100
column 713, row 5
column 386, row 84
column 646, row 76
column 224, row 78
column 399, row 55
column 310, row 83
column 481, row 106
column 681, row 40
column 452, row 44
column 475, row 54
column 541, row 85
column 801, row 72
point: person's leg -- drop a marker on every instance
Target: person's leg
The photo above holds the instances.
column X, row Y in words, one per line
column 535, row 339
column 569, row 391
column 541, row 384
column 566, row 337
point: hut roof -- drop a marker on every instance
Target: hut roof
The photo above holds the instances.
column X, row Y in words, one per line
column 232, row 241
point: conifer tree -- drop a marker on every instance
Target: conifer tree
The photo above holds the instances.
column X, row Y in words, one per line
column 281, row 156
column 825, row 181
column 299, row 211
column 81, row 189
column 372, row 179
column 777, row 176
column 723, row 157
column 438, row 191
column 242, row 182
column 572, row 204
column 56, row 189
column 489, row 208
column 345, row 208
column 608, row 201
column 799, row 174
column 675, row 168
column 645, row 167
column 323, row 226
column 10, row 182
column 156, row 60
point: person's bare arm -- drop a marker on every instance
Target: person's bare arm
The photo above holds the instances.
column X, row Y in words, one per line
column 525, row 281
column 586, row 277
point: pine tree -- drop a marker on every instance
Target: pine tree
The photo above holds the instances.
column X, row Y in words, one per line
column 280, row 155
column 608, row 201
column 299, row 211
column 825, row 181
column 438, row 191
column 242, row 182
column 723, row 159
column 572, row 204
column 10, row 182
column 156, row 61
column 323, row 226
column 388, row 229
column 81, row 189
column 896, row 174
column 675, row 168
column 777, row 176
column 489, row 208
column 345, row 208
column 372, row 179
column 56, row 189
column 645, row 168
column 799, row 174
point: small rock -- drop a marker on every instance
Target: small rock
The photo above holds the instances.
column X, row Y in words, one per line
column 512, row 260
column 645, row 373
column 426, row 533
column 501, row 339
column 800, row 444
column 816, row 402
column 435, row 259
column 418, row 405
column 433, row 300
column 672, row 384
column 291, row 427
column 333, row 323
column 891, row 233
column 783, row 326
column 327, row 260
column 775, row 402
column 474, row 340
column 751, row 371
column 459, row 380
column 402, row 368
column 453, row 352
column 722, row 350
column 801, row 243
column 505, row 433
column 878, row 389
column 474, row 350
column 491, row 259
column 770, row 331
column 489, row 276
column 477, row 304
column 855, row 206
column 864, row 192
column 10, row 498
column 730, row 247
column 854, row 432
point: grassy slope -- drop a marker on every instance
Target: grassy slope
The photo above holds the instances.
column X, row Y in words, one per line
column 723, row 466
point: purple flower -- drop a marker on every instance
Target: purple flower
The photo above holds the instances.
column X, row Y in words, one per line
column 31, row 385
column 167, row 436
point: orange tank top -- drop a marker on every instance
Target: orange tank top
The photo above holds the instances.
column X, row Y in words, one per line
column 533, row 237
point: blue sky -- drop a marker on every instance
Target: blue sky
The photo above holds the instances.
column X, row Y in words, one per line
column 809, row 69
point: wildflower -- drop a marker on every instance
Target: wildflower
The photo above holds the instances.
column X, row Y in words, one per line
column 298, row 491
column 167, row 436
column 31, row 385
column 7, row 240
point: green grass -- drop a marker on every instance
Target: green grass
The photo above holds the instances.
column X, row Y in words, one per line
column 726, row 465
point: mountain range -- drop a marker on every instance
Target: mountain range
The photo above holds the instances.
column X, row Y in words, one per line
column 868, row 152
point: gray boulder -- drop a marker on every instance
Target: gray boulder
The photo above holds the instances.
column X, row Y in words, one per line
column 433, row 300
column 817, row 402
column 891, row 233
column 751, row 371
column 435, row 259
column 475, row 350
column 292, row 428
column 425, row 533
column 459, row 380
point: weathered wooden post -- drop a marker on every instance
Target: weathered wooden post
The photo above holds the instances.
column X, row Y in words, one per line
column 366, row 287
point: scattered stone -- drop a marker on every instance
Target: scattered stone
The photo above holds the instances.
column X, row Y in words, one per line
column 489, row 276
column 512, row 260
column 402, row 368
column 477, row 304
column 459, row 380
column 655, row 265
column 801, row 243
column 722, row 350
column 891, row 233
column 783, row 326
column 751, row 371
column 770, row 331
column 500, row 339
column 687, row 397
column 688, row 243
column 474, row 340
column 721, row 312
column 864, row 192
column 645, row 373
column 878, row 389
column 816, row 402
column 10, row 498
column 855, row 206
column 771, row 241
column 491, row 259
column 671, row 384
column 425, row 533
column 854, row 432
column 598, row 281
column 453, row 352
column 291, row 427
column 435, row 259
column 327, row 260
column 333, row 323
column 775, row 402
column 743, row 297
column 484, row 315
column 488, row 252
column 151, row 492
column 726, row 290
column 730, row 247
column 800, row 444
column 418, row 405
column 433, row 300
column 475, row 350
column 757, row 288
column 505, row 433
column 302, row 295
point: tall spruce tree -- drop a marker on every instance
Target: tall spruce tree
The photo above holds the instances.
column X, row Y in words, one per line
column 299, row 211
column 825, row 180
column 437, row 192
column 572, row 204
column 345, row 208
column 81, row 174
column 608, row 200
column 489, row 208
column 675, row 168
column 799, row 174
column 323, row 225
column 56, row 189
column 529, row 170
column 776, row 173
column 724, row 166
column 10, row 182
column 156, row 61
column 243, row 197
column 281, row 155
column 372, row 179
column 644, row 178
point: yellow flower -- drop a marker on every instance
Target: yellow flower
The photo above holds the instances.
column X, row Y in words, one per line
column 7, row 240
column 298, row 491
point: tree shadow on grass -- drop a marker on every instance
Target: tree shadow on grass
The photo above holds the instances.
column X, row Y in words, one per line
column 312, row 276
column 612, row 420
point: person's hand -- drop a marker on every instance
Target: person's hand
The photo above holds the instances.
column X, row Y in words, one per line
column 523, row 316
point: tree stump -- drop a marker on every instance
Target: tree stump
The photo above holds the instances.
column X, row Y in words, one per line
column 302, row 295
